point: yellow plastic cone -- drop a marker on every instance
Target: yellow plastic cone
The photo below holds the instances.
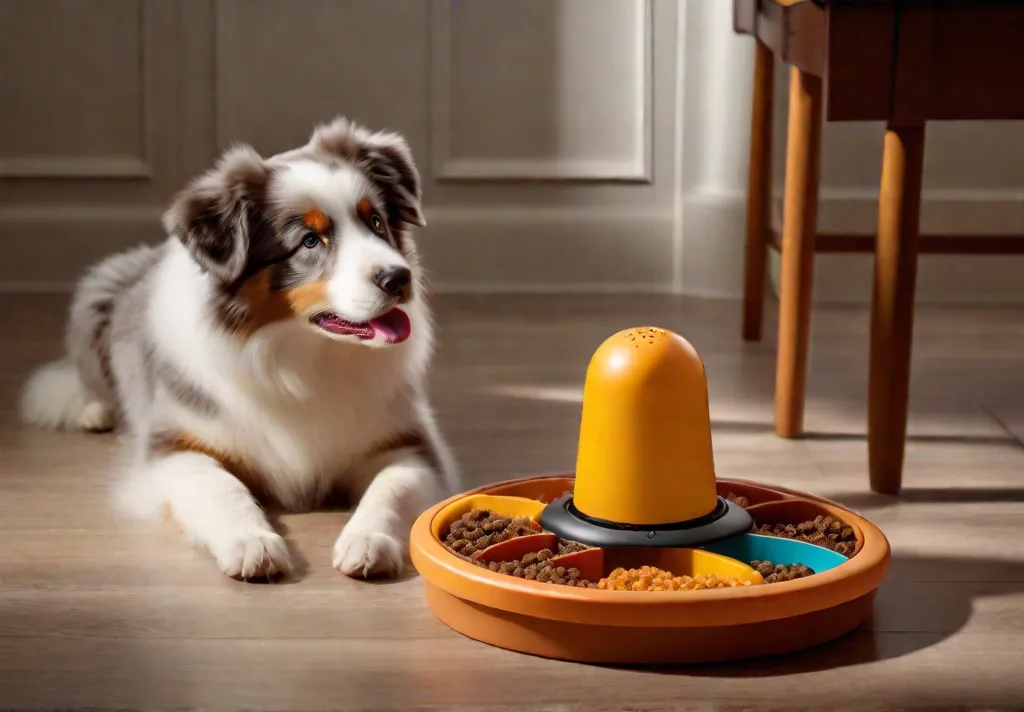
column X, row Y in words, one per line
column 645, row 454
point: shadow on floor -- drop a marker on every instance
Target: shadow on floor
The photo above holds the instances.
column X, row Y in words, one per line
column 926, row 495
column 741, row 427
column 901, row 625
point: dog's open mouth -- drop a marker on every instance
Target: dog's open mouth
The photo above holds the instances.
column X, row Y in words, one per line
column 392, row 327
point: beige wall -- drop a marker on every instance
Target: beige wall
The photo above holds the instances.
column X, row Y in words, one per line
column 565, row 144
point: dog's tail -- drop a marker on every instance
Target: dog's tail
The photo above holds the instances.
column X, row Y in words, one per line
column 55, row 397
column 77, row 392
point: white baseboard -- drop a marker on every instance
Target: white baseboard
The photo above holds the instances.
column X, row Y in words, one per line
column 579, row 249
column 548, row 250
column 482, row 250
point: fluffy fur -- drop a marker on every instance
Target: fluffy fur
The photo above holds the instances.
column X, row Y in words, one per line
column 272, row 349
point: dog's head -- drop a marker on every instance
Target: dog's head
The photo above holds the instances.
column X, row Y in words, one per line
column 319, row 234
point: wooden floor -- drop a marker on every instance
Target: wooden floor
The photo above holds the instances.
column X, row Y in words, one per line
column 98, row 614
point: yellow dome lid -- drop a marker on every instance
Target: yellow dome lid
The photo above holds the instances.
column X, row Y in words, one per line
column 645, row 455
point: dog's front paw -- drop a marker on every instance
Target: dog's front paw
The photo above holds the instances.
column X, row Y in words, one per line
column 260, row 554
column 96, row 417
column 367, row 553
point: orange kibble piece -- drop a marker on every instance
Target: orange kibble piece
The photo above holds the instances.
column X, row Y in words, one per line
column 650, row 578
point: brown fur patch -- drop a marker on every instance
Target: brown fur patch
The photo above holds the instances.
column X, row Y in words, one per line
column 267, row 306
column 305, row 298
column 365, row 208
column 317, row 221
column 186, row 442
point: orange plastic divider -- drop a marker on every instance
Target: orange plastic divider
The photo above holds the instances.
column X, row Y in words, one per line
column 590, row 563
column 517, row 548
column 795, row 511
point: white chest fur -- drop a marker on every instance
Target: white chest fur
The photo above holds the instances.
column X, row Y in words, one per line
column 297, row 408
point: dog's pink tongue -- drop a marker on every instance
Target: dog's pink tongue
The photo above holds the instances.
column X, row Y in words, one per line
column 394, row 326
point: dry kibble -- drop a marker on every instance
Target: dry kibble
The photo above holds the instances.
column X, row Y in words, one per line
column 476, row 530
column 824, row 531
column 648, row 578
column 775, row 573
column 565, row 546
column 738, row 499
column 533, row 568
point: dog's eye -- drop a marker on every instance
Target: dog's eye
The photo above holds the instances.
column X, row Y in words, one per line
column 311, row 240
column 377, row 224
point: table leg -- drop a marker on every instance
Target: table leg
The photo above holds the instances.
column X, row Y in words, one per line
column 800, row 213
column 892, row 311
column 759, row 186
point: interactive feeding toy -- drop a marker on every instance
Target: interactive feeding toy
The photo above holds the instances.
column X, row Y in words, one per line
column 644, row 556
column 645, row 474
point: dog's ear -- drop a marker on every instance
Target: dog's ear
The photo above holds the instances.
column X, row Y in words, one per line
column 216, row 214
column 386, row 160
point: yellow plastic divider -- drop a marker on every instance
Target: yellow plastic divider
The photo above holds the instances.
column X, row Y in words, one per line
column 509, row 506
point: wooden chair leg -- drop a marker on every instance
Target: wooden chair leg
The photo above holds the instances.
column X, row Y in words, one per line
column 892, row 312
column 800, row 212
column 759, row 186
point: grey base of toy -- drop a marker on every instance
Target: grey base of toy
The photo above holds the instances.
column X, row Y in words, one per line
column 562, row 518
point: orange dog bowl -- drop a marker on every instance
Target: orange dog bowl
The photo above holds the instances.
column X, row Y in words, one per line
column 644, row 494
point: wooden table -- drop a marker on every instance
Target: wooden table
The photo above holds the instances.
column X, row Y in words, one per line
column 905, row 63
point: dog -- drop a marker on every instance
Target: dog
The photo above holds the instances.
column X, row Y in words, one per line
column 272, row 349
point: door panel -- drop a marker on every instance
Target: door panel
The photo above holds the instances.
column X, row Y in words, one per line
column 547, row 162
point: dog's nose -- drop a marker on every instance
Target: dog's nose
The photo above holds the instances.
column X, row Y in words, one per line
column 394, row 281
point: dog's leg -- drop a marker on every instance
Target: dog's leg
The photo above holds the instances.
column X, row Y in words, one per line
column 398, row 486
column 219, row 513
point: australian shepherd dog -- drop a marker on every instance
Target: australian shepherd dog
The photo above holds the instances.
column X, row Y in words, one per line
column 272, row 350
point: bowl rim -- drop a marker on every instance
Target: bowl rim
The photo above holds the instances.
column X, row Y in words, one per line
column 856, row 577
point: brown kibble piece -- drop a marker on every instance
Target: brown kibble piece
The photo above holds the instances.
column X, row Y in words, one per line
column 566, row 546
column 738, row 499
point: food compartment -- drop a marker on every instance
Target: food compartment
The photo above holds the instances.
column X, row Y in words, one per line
column 506, row 506
column 677, row 569
column 543, row 489
column 748, row 494
column 536, row 557
column 808, row 521
column 589, row 562
column 777, row 559
column 634, row 569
